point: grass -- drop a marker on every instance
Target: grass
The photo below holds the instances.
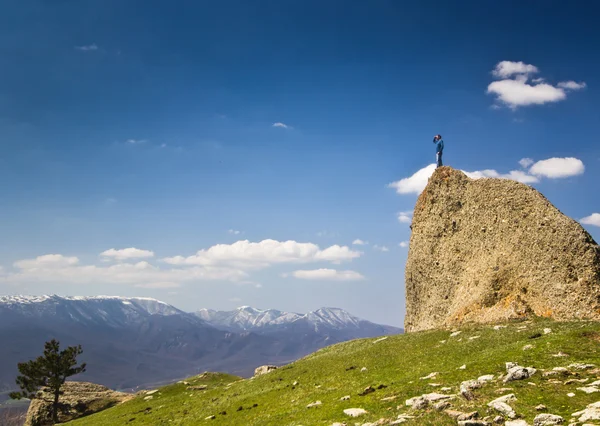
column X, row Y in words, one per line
column 398, row 363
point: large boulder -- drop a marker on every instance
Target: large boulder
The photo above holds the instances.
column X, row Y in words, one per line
column 79, row 399
column 486, row 250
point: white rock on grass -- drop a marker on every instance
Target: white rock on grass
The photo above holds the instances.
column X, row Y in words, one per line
column 500, row 405
column 314, row 404
column 527, row 347
column 430, row 376
column 516, row 423
column 355, row 412
column 148, row 398
column 580, row 366
column 381, row 339
column 591, row 412
column 570, row 394
column 547, row 420
column 152, row 392
column 455, row 333
column 473, row 423
column 547, row 330
column 486, row 378
column 498, row 327
column 345, row 398
column 362, row 370
column 516, row 372
column 589, row 389
column 462, row 367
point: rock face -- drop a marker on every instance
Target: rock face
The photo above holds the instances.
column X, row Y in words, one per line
column 79, row 399
column 490, row 249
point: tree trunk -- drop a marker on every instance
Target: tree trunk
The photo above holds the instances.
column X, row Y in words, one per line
column 55, row 406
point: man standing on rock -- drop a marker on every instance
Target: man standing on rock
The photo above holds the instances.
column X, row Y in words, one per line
column 439, row 149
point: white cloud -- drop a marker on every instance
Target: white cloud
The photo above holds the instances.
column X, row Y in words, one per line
column 405, row 217
column 403, row 244
column 525, row 162
column 136, row 141
column 163, row 284
column 505, row 69
column 415, row 183
column 359, row 242
column 558, row 167
column 513, row 89
column 572, row 85
column 593, row 219
column 87, row 48
column 516, row 93
column 549, row 168
column 66, row 270
column 327, row 275
column 382, row 249
column 518, row 175
column 234, row 232
column 126, row 253
column 247, row 255
column 281, row 125
column 47, row 261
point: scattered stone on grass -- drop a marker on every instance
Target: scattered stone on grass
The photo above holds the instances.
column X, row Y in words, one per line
column 455, row 333
column 486, row 378
column 527, row 347
column 201, row 387
column 500, row 405
column 264, row 369
column 442, row 405
column 516, row 372
column 547, row 420
column 364, row 369
column 547, row 330
column 580, row 366
column 355, row 412
column 473, row 423
column 381, row 339
column 560, row 355
column 366, row 391
column 314, row 404
column 430, row 376
column 589, row 389
column 210, row 417
column 516, row 423
column 462, row 367
column 148, row 398
column 591, row 412
column 345, row 398
column 570, row 394
column 152, row 392
column 541, row 407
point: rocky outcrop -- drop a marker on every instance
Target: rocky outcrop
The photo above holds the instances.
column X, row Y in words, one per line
column 490, row 249
column 79, row 399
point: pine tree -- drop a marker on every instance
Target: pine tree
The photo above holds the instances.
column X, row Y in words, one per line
column 49, row 371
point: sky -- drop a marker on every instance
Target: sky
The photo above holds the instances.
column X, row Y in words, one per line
column 269, row 153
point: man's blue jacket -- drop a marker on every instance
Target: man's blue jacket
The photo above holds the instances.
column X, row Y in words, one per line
column 439, row 146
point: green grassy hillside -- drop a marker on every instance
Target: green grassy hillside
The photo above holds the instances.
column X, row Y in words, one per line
column 395, row 367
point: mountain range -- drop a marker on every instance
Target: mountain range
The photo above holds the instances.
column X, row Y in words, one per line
column 137, row 342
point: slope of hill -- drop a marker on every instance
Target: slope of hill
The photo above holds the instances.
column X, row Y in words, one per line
column 380, row 375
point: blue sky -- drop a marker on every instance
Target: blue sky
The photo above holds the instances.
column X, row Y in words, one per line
column 191, row 132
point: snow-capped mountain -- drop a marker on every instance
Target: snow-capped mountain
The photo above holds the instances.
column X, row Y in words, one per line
column 100, row 310
column 246, row 318
column 132, row 341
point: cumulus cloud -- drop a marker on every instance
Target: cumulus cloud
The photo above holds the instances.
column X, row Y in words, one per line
column 359, row 242
column 552, row 168
column 47, row 261
column 281, row 125
column 505, row 69
column 406, row 217
column 593, row 219
column 126, row 253
column 403, row 244
column 61, row 269
column 382, row 249
column 572, row 85
column 327, row 275
column 415, row 183
column 558, row 167
column 249, row 255
column 514, row 89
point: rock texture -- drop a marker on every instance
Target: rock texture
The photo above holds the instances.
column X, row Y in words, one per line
column 490, row 249
column 79, row 399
